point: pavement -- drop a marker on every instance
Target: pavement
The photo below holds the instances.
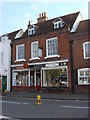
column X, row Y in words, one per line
column 47, row 95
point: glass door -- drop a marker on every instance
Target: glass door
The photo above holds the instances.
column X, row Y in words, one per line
column 38, row 80
column 32, row 78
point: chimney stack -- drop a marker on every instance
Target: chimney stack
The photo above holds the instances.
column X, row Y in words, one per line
column 42, row 17
column 29, row 24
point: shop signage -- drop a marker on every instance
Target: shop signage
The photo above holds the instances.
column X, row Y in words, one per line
column 20, row 67
column 52, row 65
column 25, row 65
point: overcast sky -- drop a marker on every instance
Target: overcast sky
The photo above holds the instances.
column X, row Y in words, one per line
column 15, row 15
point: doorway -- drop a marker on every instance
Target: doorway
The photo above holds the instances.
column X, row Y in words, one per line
column 4, row 83
column 38, row 80
column 35, row 79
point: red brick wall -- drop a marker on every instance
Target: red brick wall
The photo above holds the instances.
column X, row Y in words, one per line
column 78, row 58
column 63, row 46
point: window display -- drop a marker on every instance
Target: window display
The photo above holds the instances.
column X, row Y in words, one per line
column 20, row 78
column 55, row 77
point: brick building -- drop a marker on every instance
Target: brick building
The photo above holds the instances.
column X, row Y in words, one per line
column 80, row 47
column 41, row 57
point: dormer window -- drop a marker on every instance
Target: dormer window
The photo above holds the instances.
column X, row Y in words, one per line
column 31, row 31
column 58, row 23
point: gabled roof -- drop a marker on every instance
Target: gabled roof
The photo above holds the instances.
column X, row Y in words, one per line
column 47, row 26
column 11, row 35
column 84, row 26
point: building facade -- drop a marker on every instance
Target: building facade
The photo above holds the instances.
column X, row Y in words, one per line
column 80, row 44
column 5, row 60
column 41, row 57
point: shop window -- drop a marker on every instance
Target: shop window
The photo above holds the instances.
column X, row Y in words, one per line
column 52, row 47
column 84, row 76
column 20, row 52
column 34, row 50
column 86, row 50
column 55, row 77
column 21, row 78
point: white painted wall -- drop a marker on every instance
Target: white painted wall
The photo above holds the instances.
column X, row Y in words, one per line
column 6, row 63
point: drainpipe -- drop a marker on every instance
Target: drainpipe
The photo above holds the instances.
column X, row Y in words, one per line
column 71, row 61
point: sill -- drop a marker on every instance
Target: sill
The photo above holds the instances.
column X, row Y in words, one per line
column 83, row 83
column 20, row 60
column 86, row 58
column 52, row 56
column 37, row 58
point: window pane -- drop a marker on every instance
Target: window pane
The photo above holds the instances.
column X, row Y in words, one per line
column 34, row 47
column 86, row 73
column 81, row 80
column 52, row 47
column 81, row 73
column 21, row 52
column 87, row 50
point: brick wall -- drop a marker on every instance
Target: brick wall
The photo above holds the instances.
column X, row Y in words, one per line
column 78, row 58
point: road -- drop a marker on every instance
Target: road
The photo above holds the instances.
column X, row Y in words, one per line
column 27, row 108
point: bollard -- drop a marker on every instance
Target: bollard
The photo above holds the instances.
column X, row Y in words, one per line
column 38, row 99
column 5, row 91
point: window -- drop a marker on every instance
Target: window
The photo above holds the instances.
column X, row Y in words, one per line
column 34, row 49
column 20, row 52
column 84, row 76
column 58, row 24
column 86, row 49
column 21, row 78
column 31, row 31
column 1, row 58
column 52, row 47
column 55, row 77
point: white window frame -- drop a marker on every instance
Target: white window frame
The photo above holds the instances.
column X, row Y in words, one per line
column 30, row 31
column 33, row 58
column 17, row 53
column 84, row 50
column 57, row 23
column 49, row 56
column 83, row 69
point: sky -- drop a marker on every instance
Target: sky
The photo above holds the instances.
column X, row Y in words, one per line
column 15, row 15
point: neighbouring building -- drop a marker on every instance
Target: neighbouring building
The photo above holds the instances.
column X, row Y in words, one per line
column 5, row 58
column 42, row 57
column 80, row 57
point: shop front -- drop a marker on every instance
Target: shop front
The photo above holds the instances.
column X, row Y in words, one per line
column 41, row 75
column 26, row 79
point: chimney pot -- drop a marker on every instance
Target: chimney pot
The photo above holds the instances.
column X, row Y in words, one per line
column 29, row 23
column 39, row 15
column 42, row 14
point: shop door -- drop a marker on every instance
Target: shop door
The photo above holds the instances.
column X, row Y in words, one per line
column 32, row 78
column 4, row 83
column 38, row 80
